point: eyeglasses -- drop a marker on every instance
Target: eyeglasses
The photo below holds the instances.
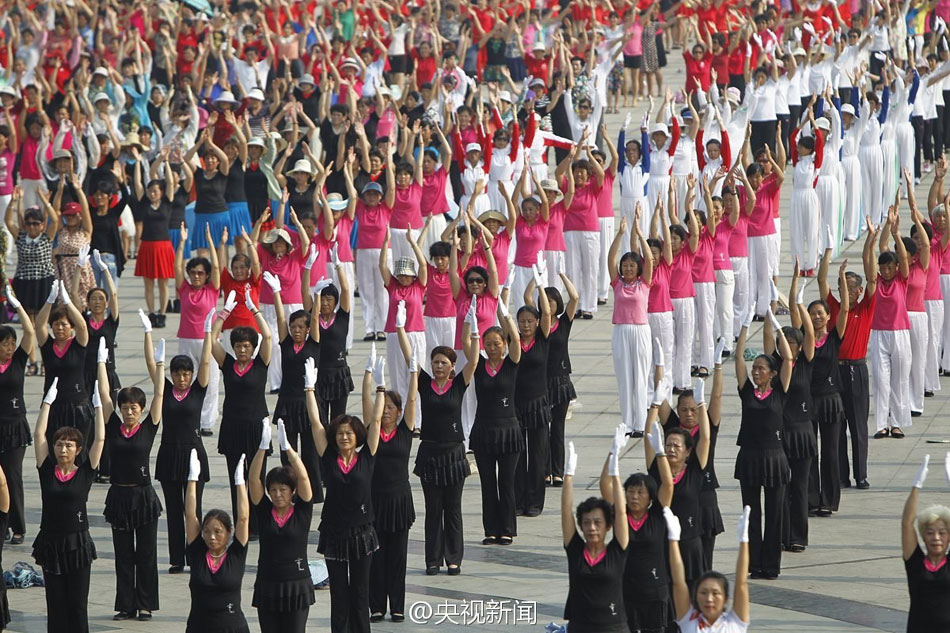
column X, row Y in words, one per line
column 475, row 280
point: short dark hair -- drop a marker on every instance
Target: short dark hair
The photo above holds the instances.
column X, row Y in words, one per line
column 637, row 258
column 194, row 262
column 855, row 277
column 244, row 334
column 60, row 312
column 299, row 314
column 479, row 270
column 6, row 333
column 554, row 296
column 530, row 310
column 444, row 350
column 592, row 503
column 686, row 435
column 440, row 249
column 637, row 480
column 354, row 422
column 68, row 434
column 281, row 475
column 130, row 395
column 181, row 362
column 709, row 575
column 219, row 515
column 93, row 291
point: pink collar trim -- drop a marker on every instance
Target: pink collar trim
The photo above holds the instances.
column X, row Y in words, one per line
column 591, row 560
column 636, row 524
column 281, row 521
column 96, row 324
column 326, row 324
column 63, row 478
column 5, row 366
column 929, row 566
column 247, row 368
column 384, row 436
column 443, row 389
column 179, row 396
column 820, row 342
column 214, row 567
column 129, row 434
column 555, row 324
column 62, row 352
column 298, row 347
column 678, row 476
column 761, row 396
column 525, row 347
column 343, row 466
column 492, row 371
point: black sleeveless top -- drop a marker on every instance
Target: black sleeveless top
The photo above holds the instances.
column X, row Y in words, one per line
column 532, row 380
column 234, row 191
column 155, row 221
column 333, row 341
column 496, row 393
column 209, row 196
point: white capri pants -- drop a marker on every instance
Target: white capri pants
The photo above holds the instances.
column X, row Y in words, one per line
column 606, row 238
column 348, row 269
column 661, row 334
column 469, row 400
column 275, row 372
column 889, row 356
column 703, row 343
column 439, row 331
column 740, row 295
column 632, row 351
column 583, row 257
column 684, row 329
column 761, row 255
column 523, row 277
column 191, row 347
column 919, row 341
column 934, row 322
column 556, row 265
column 373, row 293
column 723, row 324
column 400, row 247
column 945, row 329
column 399, row 370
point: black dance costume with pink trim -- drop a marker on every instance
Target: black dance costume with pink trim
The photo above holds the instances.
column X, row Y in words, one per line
column 646, row 575
column 334, row 382
column 216, row 595
column 283, row 580
column 15, row 436
column 107, row 329
column 131, row 501
column 73, row 406
column 928, row 586
column 63, row 544
column 595, row 601
column 687, row 490
column 291, row 407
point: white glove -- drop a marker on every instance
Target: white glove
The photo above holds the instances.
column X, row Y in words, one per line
column 720, row 348
column 538, row 279
column 146, row 324
column 570, row 465
column 282, row 440
column 231, row 302
column 401, row 314
column 620, row 439
column 880, row 57
column 96, row 398
column 83, row 256
column 194, row 466
column 662, row 388
column 472, row 310
column 776, row 326
column 673, row 528
column 50, row 396
column 371, row 359
column 12, row 300
column 511, row 278
column 658, row 359
column 829, row 238
column 249, row 302
column 800, row 295
column 239, row 472
column 335, row 256
column 160, row 352
column 699, row 391
column 209, row 320
column 64, row 293
column 503, row 309
column 613, row 465
column 743, row 531
column 657, row 440
column 266, row 432
column 309, row 374
column 102, row 354
column 311, row 256
column 326, row 282
column 626, row 122
column 922, row 473
column 541, row 262
column 379, row 371
column 97, row 259
column 53, row 293
column 273, row 281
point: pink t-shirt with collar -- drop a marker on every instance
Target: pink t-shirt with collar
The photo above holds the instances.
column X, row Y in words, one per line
column 681, row 275
column 373, row 223
column 605, row 200
column 724, row 231
column 555, row 239
column 890, row 305
column 195, row 305
column 412, row 295
column 485, row 307
column 529, row 239
column 916, row 284
column 341, row 237
column 582, row 215
column 660, row 289
column 288, row 269
column 499, row 249
column 630, row 302
column 703, row 272
column 739, row 237
column 439, row 301
column 407, row 208
column 932, row 290
column 762, row 220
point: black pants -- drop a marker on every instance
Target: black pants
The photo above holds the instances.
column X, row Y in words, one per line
column 824, row 485
column 765, row 548
column 12, row 463
column 919, row 140
column 232, row 461
column 497, row 475
column 136, row 568
column 443, row 527
column 945, row 120
column 763, row 133
column 331, row 409
column 738, row 81
column 787, row 121
column 349, row 595
column 795, row 531
column 855, row 395
column 308, row 455
column 532, row 467
column 283, row 622
column 174, row 493
column 67, row 601
column 387, row 574
column 938, row 131
column 645, row 615
column 709, row 545
column 845, row 94
column 558, row 417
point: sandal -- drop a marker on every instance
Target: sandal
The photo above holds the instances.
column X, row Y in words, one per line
column 896, row 433
column 882, row 433
column 702, row 373
column 490, row 540
column 558, row 482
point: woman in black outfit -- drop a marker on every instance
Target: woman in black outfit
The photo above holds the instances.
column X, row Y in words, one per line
column 245, row 380
column 108, row 201
column 824, row 490
column 132, row 507
column 595, row 567
column 5, row 505
column 391, row 493
column 688, row 457
column 283, row 591
column 531, row 401
column 347, row 536
column 64, row 357
column 210, row 184
column 496, row 437
column 14, row 429
column 155, row 261
column 181, row 409
column 798, row 432
column 334, row 381
column 298, row 341
column 63, row 547
column 761, row 462
column 217, row 567
column 928, row 574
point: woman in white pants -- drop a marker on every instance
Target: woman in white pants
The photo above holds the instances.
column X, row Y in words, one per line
column 660, row 305
column 829, row 187
column 933, row 295
column 439, row 315
column 372, row 214
column 871, row 154
column 631, row 280
column 765, row 187
column 531, row 233
column 554, row 245
column 890, row 332
column 918, row 250
column 633, row 172
column 605, row 213
column 682, row 293
column 582, row 229
column 728, row 212
column 343, row 212
column 662, row 149
column 854, row 125
column 807, row 153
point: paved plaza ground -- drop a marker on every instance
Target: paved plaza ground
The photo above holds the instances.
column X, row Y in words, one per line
column 850, row 578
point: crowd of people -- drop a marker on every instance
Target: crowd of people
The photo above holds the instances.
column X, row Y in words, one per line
column 452, row 167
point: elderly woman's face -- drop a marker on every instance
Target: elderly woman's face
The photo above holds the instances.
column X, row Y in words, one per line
column 935, row 537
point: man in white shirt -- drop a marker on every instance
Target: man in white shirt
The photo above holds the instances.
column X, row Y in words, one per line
column 252, row 71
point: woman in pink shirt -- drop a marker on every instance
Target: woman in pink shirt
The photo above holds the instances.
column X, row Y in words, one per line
column 435, row 177
column 531, row 234
column 739, row 252
column 605, row 212
column 440, row 312
column 918, row 250
column 554, row 245
column 933, row 299
column 763, row 254
column 890, row 349
column 684, row 246
column 407, row 204
column 632, row 56
column 660, row 305
column 723, row 225
column 582, row 229
column 631, row 346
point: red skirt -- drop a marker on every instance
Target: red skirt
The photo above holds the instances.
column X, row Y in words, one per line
column 156, row 260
